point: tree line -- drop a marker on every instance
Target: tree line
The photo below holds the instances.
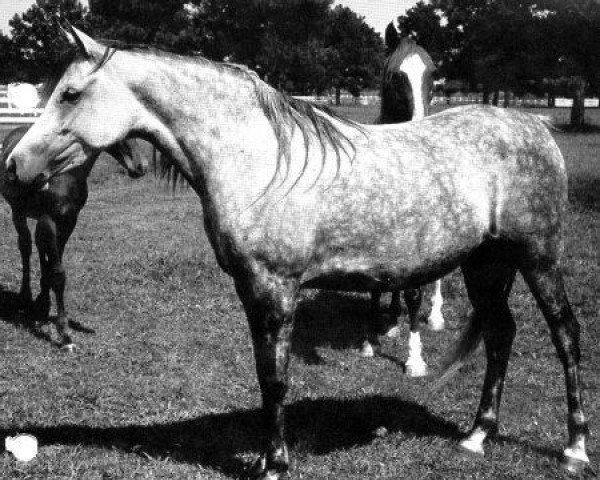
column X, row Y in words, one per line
column 301, row 46
column 549, row 47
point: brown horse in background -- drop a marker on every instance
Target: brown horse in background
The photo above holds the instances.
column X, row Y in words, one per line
column 56, row 209
column 406, row 90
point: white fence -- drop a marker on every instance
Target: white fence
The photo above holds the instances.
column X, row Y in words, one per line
column 12, row 114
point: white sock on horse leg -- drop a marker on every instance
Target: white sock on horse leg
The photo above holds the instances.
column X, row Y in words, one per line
column 474, row 442
column 436, row 319
column 415, row 365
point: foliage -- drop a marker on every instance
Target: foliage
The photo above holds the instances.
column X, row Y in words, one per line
column 34, row 37
column 303, row 45
column 512, row 45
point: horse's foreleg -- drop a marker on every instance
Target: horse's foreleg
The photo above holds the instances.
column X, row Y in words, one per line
column 65, row 227
column 44, row 235
column 548, row 288
column 415, row 365
column 25, row 247
column 52, row 276
column 436, row 319
column 270, row 304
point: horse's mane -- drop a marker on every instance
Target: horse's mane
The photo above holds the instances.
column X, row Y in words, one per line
column 284, row 113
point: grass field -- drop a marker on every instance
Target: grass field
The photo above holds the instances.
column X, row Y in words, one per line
column 162, row 384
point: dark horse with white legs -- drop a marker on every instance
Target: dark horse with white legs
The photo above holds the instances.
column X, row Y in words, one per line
column 294, row 197
column 56, row 209
column 406, row 89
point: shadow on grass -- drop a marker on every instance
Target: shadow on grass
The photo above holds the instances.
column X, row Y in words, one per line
column 331, row 319
column 217, row 441
column 14, row 313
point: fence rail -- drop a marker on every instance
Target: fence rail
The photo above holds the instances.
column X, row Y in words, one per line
column 10, row 114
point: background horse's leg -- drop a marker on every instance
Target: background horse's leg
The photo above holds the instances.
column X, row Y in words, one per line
column 395, row 311
column 52, row 275
column 25, row 246
column 44, row 229
column 371, row 327
column 270, row 303
column 436, row 319
column 415, row 365
column 548, row 288
column 65, row 228
column 489, row 280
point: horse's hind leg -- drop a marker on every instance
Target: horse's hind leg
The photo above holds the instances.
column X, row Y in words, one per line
column 370, row 327
column 25, row 247
column 436, row 319
column 393, row 328
column 270, row 303
column 489, row 280
column 415, row 365
column 547, row 286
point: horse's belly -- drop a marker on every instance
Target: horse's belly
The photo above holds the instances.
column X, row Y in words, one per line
column 392, row 261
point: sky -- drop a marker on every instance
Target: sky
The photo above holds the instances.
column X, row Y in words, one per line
column 377, row 13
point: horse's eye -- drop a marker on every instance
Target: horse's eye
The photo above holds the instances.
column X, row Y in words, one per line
column 70, row 95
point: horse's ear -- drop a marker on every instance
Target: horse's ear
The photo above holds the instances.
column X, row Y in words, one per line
column 86, row 46
column 392, row 37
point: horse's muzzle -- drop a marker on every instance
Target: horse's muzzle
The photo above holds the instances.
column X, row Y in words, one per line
column 140, row 171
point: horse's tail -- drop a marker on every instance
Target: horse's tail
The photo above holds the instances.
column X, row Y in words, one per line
column 548, row 121
column 467, row 344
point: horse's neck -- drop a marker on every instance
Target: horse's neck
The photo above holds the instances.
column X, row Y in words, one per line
column 201, row 114
column 186, row 104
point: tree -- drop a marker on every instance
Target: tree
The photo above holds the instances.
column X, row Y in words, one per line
column 10, row 66
column 575, row 25
column 360, row 51
column 424, row 23
column 35, row 38
column 162, row 23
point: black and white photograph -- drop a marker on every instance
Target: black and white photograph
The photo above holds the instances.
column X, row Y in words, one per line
column 299, row 239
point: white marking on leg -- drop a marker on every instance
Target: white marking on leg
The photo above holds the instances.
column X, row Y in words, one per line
column 436, row 319
column 474, row 442
column 415, row 68
column 415, row 365
column 393, row 332
column 367, row 350
column 577, row 451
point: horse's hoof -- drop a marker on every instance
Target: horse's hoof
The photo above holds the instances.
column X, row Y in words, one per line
column 367, row 351
column 472, row 447
column 575, row 462
column 68, row 347
column 393, row 332
column 416, row 370
column 574, row 466
column 258, row 471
